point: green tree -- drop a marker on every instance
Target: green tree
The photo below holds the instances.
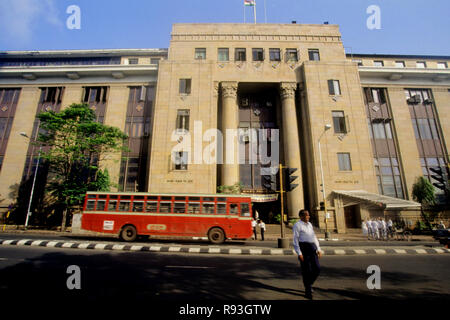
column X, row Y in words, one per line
column 423, row 192
column 77, row 144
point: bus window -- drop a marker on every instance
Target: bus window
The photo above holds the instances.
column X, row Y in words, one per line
column 152, row 206
column 180, row 198
column 139, row 197
column 221, row 208
column 193, row 207
column 165, row 207
column 179, row 207
column 138, row 206
column 206, row 199
column 245, row 210
column 208, row 208
column 90, row 196
column 112, row 206
column 90, row 205
column 194, row 198
column 124, row 206
column 221, row 199
column 166, row 198
column 102, row 196
column 125, row 197
column 234, row 208
column 101, row 205
column 155, row 198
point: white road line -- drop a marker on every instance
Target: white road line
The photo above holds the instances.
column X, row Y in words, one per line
column 133, row 248
column 235, row 251
column 214, row 250
column 100, row 246
column 7, row 242
column 276, row 251
column 339, row 251
column 174, row 249
column 421, row 251
column 52, row 244
column 120, row 247
column 83, row 246
column 255, row 251
column 155, row 248
column 380, row 251
column 194, row 250
column 438, row 250
column 67, row 244
column 189, row 267
column 37, row 242
column 358, row 251
column 401, row 251
column 22, row 242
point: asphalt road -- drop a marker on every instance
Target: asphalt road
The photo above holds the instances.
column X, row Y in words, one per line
column 144, row 276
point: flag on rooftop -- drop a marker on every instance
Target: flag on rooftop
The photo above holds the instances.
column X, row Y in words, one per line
column 249, row 2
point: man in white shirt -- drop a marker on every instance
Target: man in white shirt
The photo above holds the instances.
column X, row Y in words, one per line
column 254, row 228
column 308, row 251
column 262, row 227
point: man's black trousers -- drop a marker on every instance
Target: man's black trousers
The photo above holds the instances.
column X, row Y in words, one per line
column 310, row 265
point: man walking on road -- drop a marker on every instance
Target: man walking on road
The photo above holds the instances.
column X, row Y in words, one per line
column 307, row 248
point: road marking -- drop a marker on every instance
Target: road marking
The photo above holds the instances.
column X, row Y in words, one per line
column 174, row 249
column 119, row 247
column 188, row 267
column 401, row 251
column 7, row 242
column 380, row 251
column 37, row 242
column 422, row 251
column 235, row 251
column 67, row 244
column 194, row 250
column 339, row 251
column 133, row 248
column 358, row 251
column 100, row 246
column 83, row 245
column 214, row 250
column 276, row 251
column 22, row 242
column 255, row 251
column 52, row 244
column 155, row 248
column 3, row 259
column 438, row 250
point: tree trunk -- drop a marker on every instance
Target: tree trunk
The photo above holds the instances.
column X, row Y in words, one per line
column 64, row 219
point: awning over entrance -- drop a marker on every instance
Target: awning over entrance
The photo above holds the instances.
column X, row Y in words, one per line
column 377, row 200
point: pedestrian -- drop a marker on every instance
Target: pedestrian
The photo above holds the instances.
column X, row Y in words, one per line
column 365, row 229
column 370, row 229
column 441, row 225
column 308, row 251
column 390, row 227
column 383, row 228
column 254, row 228
column 262, row 227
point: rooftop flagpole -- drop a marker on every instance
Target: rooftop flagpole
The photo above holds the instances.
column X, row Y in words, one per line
column 254, row 10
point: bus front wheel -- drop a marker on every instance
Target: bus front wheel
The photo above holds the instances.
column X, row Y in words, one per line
column 128, row 233
column 216, row 236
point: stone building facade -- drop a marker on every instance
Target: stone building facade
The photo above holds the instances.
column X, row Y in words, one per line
column 227, row 102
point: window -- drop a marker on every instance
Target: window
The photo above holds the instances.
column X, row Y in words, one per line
column 245, row 210
column 223, row 54
column 400, row 64
column 154, row 61
column 344, row 162
column 421, row 64
column 275, row 54
column 193, row 207
column 200, row 53
column 442, row 65
column 314, row 54
column 165, row 207
column 152, row 206
column 208, row 208
column 90, row 205
column 101, row 205
column 124, row 206
column 378, row 63
column 185, row 86
column 180, row 160
column 291, row 55
column 133, row 60
column 179, row 207
column 221, row 208
column 339, row 122
column 334, row 88
column 240, row 54
column 234, row 208
column 138, row 206
column 182, row 120
column 112, row 206
column 258, row 54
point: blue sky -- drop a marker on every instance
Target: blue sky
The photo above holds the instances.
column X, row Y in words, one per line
column 407, row 26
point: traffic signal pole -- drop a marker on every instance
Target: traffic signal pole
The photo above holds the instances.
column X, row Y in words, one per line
column 282, row 202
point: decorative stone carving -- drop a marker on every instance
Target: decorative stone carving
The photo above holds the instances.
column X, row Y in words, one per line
column 215, row 89
column 287, row 90
column 229, row 89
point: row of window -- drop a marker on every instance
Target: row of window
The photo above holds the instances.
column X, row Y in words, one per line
column 258, row 54
column 168, row 207
column 402, row 64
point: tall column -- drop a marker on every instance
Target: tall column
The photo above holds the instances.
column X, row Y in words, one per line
column 230, row 120
column 291, row 145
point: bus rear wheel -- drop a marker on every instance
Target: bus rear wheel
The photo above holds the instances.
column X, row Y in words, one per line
column 216, row 236
column 128, row 233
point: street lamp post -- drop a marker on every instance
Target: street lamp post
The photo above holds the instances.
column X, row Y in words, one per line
column 34, row 181
column 327, row 234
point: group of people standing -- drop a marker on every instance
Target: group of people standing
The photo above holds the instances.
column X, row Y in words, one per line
column 262, row 228
column 377, row 229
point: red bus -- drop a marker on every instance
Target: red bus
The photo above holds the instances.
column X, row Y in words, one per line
column 216, row 216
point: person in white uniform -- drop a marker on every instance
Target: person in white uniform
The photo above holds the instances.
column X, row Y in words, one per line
column 308, row 251
column 365, row 229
